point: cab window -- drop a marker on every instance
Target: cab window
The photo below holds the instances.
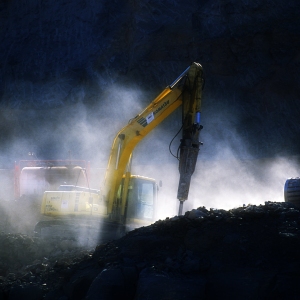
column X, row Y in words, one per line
column 141, row 200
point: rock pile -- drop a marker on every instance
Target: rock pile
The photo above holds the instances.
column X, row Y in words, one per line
column 250, row 252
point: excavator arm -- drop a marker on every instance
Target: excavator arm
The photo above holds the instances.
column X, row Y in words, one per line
column 189, row 146
column 186, row 90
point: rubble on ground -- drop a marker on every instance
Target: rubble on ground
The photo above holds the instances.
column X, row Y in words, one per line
column 250, row 252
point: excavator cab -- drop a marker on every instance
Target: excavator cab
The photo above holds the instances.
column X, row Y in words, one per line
column 292, row 191
column 141, row 199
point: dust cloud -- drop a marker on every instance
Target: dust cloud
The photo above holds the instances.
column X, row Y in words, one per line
column 226, row 184
column 223, row 184
column 77, row 130
column 74, row 132
column 226, row 176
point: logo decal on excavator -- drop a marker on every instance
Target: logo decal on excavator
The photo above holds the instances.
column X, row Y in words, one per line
column 142, row 121
column 161, row 107
column 150, row 118
column 145, row 121
column 49, row 207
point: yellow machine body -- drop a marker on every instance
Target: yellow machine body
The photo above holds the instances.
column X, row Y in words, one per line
column 126, row 201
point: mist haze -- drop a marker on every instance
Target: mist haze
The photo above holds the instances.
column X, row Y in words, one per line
column 72, row 75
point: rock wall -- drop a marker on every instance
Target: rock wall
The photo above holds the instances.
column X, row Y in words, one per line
column 56, row 55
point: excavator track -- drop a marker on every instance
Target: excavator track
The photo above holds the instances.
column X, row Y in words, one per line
column 83, row 231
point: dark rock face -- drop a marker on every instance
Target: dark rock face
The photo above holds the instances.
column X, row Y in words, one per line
column 250, row 252
column 50, row 52
column 56, row 55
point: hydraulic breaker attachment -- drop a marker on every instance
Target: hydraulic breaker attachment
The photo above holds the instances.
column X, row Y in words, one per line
column 188, row 158
column 189, row 146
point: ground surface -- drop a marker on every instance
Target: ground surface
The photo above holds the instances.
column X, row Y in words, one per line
column 250, row 252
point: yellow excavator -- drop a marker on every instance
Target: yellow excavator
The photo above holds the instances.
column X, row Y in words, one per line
column 127, row 201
